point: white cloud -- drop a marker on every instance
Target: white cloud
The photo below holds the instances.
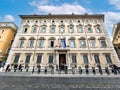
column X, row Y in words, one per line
column 115, row 2
column 40, row 2
column 9, row 18
column 110, row 19
column 63, row 9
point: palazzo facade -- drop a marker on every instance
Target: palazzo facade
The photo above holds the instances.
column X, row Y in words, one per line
column 116, row 38
column 62, row 40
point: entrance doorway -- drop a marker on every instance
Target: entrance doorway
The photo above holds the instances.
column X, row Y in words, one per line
column 62, row 61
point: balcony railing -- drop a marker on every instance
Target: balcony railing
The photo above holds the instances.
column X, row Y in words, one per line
column 62, row 48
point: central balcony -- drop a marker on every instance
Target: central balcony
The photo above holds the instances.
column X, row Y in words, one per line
column 62, row 48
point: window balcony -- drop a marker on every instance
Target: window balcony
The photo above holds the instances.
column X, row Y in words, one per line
column 62, row 48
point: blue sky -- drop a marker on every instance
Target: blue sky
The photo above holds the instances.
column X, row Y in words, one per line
column 10, row 9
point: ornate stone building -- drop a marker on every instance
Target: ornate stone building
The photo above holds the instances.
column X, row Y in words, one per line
column 8, row 31
column 62, row 40
column 116, row 38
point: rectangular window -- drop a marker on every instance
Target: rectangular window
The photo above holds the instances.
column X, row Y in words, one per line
column 62, row 30
column 103, row 43
column 92, row 43
column 21, row 43
column 8, row 50
column 52, row 30
column 96, row 57
column 74, row 60
column 71, row 30
column 80, row 30
column 62, row 43
column 43, row 30
column 39, row 58
column 51, row 43
column 34, row 29
column 27, row 60
column 16, row 59
column 41, row 43
column 90, row 30
column 85, row 59
column 98, row 30
column 50, row 59
column 72, row 43
column 25, row 30
column 31, row 43
column 108, row 59
column 82, row 43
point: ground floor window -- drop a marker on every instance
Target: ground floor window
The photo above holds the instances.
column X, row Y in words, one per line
column 108, row 58
column 96, row 57
column 39, row 57
column 50, row 60
column 85, row 59
column 16, row 59
column 27, row 60
column 74, row 60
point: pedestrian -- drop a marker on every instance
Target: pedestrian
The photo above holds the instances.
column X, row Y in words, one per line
column 45, row 70
column 15, row 67
column 20, row 68
column 7, row 68
column 33, row 69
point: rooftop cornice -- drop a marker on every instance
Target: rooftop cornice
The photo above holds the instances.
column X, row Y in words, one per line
column 116, row 27
column 64, row 16
column 9, row 24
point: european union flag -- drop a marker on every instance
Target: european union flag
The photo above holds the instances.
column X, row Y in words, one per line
column 64, row 42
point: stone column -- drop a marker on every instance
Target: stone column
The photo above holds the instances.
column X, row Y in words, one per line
column 68, row 60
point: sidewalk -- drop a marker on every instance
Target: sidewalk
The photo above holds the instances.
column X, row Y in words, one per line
column 29, row 74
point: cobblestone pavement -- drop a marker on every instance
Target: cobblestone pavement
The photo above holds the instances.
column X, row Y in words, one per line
column 29, row 81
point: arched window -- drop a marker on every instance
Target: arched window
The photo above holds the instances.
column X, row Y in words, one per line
column 92, row 42
column 98, row 29
column 102, row 42
column 43, row 29
column 72, row 42
column 34, row 29
column 71, row 28
column 82, row 42
column 25, row 29
column 80, row 30
column 21, row 42
column 31, row 42
column 89, row 29
column 52, row 29
column 41, row 42
column 62, row 29
column 51, row 42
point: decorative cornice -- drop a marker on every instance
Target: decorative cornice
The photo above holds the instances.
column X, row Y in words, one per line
column 63, row 16
column 8, row 25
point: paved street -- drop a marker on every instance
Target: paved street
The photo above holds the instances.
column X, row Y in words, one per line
column 59, row 83
column 28, row 81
